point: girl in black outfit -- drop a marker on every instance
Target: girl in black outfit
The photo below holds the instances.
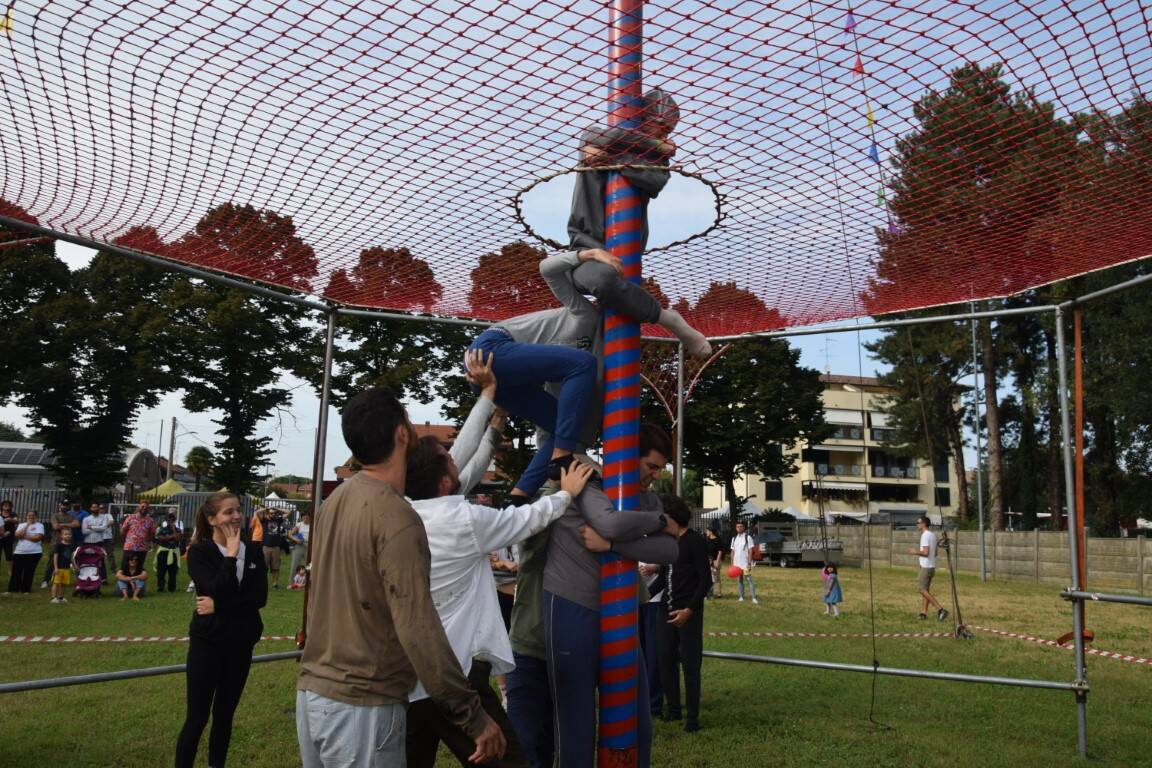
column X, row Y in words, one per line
column 231, row 588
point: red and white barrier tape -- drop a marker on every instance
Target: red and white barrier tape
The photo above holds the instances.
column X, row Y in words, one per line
column 826, row 634
column 998, row 632
column 1067, row 646
column 61, row 640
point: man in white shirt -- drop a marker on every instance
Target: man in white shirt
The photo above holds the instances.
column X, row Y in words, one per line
column 742, row 544
column 460, row 537
column 927, row 555
column 99, row 528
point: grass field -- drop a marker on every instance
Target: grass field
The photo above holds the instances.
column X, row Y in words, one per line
column 752, row 713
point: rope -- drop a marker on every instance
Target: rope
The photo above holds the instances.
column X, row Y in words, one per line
column 719, row 200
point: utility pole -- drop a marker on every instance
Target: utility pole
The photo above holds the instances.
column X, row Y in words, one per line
column 172, row 451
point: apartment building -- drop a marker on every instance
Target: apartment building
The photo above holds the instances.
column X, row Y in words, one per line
column 853, row 473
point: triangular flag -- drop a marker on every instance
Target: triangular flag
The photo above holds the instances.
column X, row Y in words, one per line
column 6, row 23
column 858, row 67
column 893, row 228
column 849, row 22
column 871, row 117
column 880, row 199
column 874, row 153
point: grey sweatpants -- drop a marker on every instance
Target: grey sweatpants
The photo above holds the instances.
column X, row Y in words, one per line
column 615, row 293
column 333, row 734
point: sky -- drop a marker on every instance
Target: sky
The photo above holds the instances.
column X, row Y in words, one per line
column 294, row 436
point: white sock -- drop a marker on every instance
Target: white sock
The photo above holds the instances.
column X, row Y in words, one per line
column 694, row 341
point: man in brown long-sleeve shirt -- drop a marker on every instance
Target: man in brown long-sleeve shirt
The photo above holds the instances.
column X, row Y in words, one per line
column 372, row 628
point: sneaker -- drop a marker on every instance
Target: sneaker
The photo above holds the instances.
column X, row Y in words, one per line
column 191, row 587
column 755, row 601
column 562, row 462
column 691, row 726
column 922, row 616
column 63, row 599
column 942, row 614
column 54, row 600
column 43, row 585
column 739, row 599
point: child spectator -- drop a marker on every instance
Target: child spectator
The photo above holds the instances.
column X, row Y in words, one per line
column 131, row 578
column 832, row 594
column 62, row 565
column 300, row 578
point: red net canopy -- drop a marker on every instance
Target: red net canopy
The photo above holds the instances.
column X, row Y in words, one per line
column 864, row 159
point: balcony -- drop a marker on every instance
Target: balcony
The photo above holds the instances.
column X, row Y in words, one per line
column 847, row 433
column 896, row 473
column 883, row 435
column 840, row 470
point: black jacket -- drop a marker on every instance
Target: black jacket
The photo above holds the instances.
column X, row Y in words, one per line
column 238, row 603
column 690, row 576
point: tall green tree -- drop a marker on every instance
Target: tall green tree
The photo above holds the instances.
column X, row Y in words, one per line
column 93, row 353
column 983, row 169
column 199, row 462
column 11, row 432
column 236, row 346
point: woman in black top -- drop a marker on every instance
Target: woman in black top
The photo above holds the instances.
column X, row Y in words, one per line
column 231, row 588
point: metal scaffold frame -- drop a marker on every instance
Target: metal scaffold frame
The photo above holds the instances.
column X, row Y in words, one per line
column 1075, row 593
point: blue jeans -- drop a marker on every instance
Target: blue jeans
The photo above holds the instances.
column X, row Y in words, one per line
column 653, row 616
column 751, row 586
column 530, row 710
column 572, row 637
column 522, row 370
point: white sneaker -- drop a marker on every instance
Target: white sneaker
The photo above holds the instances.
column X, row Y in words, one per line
column 63, row 599
column 739, row 599
column 43, row 585
column 54, row 600
column 755, row 601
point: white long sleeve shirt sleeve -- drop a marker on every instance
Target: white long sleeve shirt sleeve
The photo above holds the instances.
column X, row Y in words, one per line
column 460, row 536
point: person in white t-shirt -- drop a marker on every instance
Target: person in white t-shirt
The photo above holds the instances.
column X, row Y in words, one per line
column 742, row 544
column 927, row 555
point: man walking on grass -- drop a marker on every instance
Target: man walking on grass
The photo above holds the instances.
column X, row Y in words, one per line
column 927, row 554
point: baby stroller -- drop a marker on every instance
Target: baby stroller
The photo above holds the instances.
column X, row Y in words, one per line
column 88, row 559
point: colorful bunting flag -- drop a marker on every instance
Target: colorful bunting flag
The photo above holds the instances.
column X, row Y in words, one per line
column 849, row 23
column 871, row 117
column 880, row 199
column 6, row 23
column 858, row 67
column 874, row 153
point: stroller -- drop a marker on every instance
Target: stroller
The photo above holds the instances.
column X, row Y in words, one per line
column 89, row 559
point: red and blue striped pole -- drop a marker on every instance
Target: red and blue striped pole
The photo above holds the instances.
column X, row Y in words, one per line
column 624, row 235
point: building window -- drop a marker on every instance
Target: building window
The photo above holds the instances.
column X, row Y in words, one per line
column 944, row 497
column 773, row 490
column 940, row 471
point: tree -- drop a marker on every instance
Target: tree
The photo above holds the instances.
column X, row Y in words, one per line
column 409, row 357
column 10, row 432
column 749, row 411
column 508, row 283
column 92, row 352
column 981, row 170
column 199, row 461
column 927, row 364
column 236, row 345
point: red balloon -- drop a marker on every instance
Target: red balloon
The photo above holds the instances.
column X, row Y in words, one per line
column 735, row 571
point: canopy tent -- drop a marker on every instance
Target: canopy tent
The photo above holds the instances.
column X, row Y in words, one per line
column 799, row 516
column 377, row 160
column 162, row 492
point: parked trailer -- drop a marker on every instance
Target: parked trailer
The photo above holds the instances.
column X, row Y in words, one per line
column 777, row 549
